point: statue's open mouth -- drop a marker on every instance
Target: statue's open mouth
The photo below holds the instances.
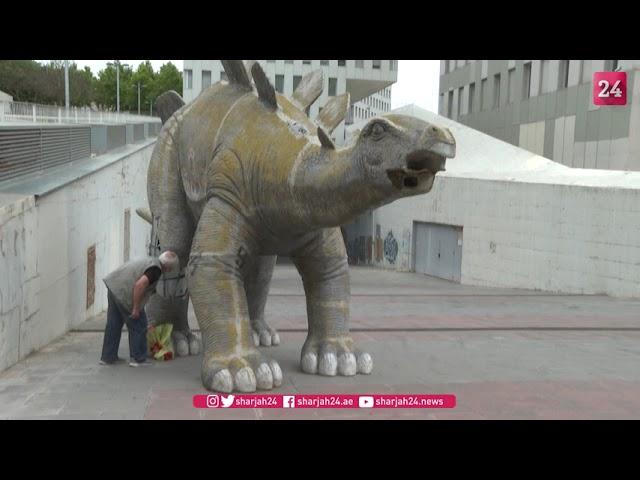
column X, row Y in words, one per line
column 421, row 166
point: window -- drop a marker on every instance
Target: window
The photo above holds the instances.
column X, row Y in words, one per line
column 223, row 76
column 188, row 79
column 544, row 77
column 526, row 81
column 306, row 62
column 271, row 61
column 324, row 62
column 460, row 96
column 288, row 61
column 450, row 105
column 496, row 91
column 206, row 78
column 511, row 85
column 280, row 83
column 563, row 74
column 391, row 65
column 359, row 63
column 446, row 66
column 611, row 65
column 472, row 93
column 342, row 63
column 483, row 94
column 333, row 86
column 296, row 81
column 376, row 64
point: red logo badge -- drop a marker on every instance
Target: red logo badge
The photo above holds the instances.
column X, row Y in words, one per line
column 610, row 88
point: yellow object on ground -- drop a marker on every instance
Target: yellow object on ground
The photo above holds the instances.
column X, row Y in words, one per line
column 159, row 341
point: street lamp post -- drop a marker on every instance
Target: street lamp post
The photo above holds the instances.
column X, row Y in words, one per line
column 118, row 86
column 117, row 64
column 66, row 85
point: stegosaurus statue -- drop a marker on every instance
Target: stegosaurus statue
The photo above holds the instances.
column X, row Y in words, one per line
column 241, row 175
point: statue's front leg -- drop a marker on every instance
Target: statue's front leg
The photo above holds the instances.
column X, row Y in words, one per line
column 329, row 348
column 222, row 245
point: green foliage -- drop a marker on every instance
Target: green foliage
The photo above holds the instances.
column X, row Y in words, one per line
column 30, row 81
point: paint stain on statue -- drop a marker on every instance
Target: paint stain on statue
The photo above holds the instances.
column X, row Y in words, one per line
column 390, row 247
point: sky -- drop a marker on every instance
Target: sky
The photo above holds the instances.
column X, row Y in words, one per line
column 418, row 80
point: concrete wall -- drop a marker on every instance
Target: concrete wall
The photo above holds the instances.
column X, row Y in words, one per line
column 527, row 222
column 44, row 246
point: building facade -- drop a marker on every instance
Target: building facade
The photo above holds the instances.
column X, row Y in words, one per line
column 546, row 107
column 367, row 81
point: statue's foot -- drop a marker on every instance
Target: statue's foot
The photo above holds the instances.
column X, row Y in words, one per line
column 335, row 356
column 185, row 343
column 242, row 373
column 264, row 335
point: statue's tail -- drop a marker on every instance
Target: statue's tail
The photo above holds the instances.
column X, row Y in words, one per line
column 145, row 214
column 167, row 104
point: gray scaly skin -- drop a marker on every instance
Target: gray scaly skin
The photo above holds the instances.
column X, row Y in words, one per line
column 238, row 177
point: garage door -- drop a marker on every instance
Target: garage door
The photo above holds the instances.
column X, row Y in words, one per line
column 437, row 250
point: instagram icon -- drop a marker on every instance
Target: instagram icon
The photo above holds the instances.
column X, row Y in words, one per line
column 213, row 401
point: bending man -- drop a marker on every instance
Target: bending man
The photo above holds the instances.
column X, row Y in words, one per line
column 128, row 290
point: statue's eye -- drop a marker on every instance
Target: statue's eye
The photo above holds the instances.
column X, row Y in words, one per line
column 377, row 130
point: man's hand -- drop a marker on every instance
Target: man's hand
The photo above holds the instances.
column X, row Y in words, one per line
column 138, row 293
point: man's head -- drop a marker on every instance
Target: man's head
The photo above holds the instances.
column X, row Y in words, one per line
column 168, row 261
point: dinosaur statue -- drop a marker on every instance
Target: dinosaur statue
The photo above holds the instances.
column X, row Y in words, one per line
column 241, row 175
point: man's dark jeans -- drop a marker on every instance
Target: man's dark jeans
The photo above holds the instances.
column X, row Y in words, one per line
column 116, row 318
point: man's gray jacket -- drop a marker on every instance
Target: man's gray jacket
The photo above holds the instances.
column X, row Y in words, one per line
column 121, row 281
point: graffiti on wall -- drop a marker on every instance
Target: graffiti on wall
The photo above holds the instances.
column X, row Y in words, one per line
column 390, row 248
column 405, row 263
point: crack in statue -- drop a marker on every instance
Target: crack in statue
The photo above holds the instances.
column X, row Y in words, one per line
column 241, row 175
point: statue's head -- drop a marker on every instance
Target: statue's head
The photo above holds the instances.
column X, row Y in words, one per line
column 401, row 155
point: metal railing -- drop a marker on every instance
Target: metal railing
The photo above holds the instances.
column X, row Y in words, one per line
column 35, row 113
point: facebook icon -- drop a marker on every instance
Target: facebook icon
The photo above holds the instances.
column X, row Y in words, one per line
column 288, row 401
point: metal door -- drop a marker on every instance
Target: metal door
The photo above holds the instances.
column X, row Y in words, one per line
column 437, row 250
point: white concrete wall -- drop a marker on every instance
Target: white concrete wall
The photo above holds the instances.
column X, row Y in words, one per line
column 43, row 252
column 527, row 222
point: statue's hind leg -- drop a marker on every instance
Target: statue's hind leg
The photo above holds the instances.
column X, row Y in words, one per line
column 258, row 279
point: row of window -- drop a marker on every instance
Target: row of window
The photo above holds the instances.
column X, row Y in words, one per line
column 376, row 64
column 450, row 65
column 544, row 85
column 364, row 113
column 376, row 103
column 279, row 81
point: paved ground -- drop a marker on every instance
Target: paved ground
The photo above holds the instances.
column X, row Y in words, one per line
column 505, row 354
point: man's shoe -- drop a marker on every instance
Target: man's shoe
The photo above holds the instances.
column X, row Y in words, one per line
column 117, row 360
column 134, row 363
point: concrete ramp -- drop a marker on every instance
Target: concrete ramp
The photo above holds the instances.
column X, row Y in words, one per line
column 522, row 221
column 485, row 157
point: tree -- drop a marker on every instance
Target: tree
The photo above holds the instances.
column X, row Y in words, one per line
column 29, row 81
column 106, row 87
column 146, row 77
column 168, row 78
